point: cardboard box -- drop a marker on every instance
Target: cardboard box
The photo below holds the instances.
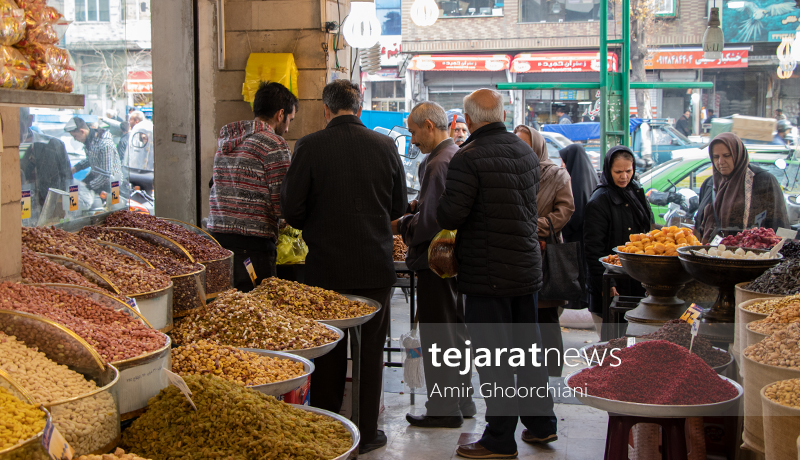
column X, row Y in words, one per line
column 754, row 128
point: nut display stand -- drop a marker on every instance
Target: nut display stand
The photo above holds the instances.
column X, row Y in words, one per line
column 84, row 270
column 285, row 386
column 219, row 272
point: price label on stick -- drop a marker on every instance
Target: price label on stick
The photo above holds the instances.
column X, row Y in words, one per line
column 178, row 382
column 716, row 241
column 73, row 197
column 631, row 341
column 691, row 314
column 26, row 204
column 115, row 192
column 55, row 444
column 250, row 270
column 786, row 233
column 759, row 220
column 695, row 329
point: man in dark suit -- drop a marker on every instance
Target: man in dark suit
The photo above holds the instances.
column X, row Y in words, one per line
column 345, row 186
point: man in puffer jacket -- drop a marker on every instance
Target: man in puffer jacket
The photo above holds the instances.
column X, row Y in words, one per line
column 490, row 199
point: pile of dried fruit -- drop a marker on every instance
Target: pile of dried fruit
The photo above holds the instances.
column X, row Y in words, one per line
column 664, row 242
column 725, row 252
column 230, row 363
column 307, row 301
column 39, row 269
column 231, row 421
column 778, row 320
column 613, row 259
column 399, row 249
column 19, row 421
column 785, row 392
column 780, row 349
column 780, row 279
column 118, row 454
column 754, row 238
column 768, row 306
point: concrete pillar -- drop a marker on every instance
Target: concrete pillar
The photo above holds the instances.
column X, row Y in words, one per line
column 10, row 196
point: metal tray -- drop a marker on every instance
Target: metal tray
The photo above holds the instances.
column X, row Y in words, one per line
column 718, row 369
column 657, row 410
column 285, row 386
column 316, row 352
column 348, row 425
column 613, row 268
column 358, row 320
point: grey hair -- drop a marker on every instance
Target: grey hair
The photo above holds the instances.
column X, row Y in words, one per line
column 137, row 115
column 429, row 111
column 480, row 114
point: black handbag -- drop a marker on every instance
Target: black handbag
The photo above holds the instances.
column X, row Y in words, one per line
column 563, row 270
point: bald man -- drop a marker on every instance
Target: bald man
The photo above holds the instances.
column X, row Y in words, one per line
column 490, row 198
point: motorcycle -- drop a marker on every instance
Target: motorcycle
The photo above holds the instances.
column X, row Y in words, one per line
column 681, row 206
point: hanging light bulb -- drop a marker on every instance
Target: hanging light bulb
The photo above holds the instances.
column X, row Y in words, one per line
column 713, row 38
column 361, row 29
column 424, row 12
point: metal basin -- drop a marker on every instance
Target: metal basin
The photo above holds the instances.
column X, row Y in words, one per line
column 585, row 351
column 284, row 386
column 348, row 425
column 612, row 268
column 316, row 352
column 358, row 320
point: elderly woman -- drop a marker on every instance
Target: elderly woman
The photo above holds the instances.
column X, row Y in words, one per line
column 737, row 193
column 555, row 207
column 616, row 209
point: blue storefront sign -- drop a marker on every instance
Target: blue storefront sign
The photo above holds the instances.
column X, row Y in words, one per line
column 759, row 20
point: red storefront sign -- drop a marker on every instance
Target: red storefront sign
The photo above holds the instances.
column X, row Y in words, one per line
column 693, row 59
column 139, row 82
column 483, row 62
column 561, row 62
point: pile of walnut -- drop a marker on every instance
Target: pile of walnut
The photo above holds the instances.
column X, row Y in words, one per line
column 309, row 302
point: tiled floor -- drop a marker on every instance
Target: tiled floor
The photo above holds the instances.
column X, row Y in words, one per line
column 581, row 429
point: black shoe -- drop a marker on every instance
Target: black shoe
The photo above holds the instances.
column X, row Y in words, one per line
column 424, row 421
column 377, row 443
column 530, row 438
column 469, row 410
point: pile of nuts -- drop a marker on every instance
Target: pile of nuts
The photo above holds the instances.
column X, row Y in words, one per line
column 785, row 392
column 20, row 421
column 768, row 306
column 238, row 320
column 127, row 274
column 399, row 249
column 777, row 320
column 307, row 301
column 88, row 423
column 230, row 363
column 231, row 421
column 114, row 334
column 780, row 349
column 118, row 454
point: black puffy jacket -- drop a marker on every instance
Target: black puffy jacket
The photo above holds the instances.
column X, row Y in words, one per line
column 490, row 198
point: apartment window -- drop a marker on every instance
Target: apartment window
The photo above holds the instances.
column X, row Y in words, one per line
column 562, row 10
column 389, row 16
column 666, row 8
column 389, row 96
column 92, row 11
column 472, row 8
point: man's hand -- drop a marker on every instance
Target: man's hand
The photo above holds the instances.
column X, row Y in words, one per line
column 413, row 206
column 614, row 292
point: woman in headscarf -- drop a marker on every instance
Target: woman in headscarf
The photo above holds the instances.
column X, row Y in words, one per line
column 584, row 180
column 616, row 209
column 737, row 193
column 555, row 207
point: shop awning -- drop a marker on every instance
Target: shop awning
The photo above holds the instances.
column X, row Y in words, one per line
column 477, row 62
column 561, row 62
column 692, row 58
column 139, row 82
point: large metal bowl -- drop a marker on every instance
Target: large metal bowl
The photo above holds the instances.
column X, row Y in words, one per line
column 653, row 270
column 348, row 425
column 657, row 410
column 358, row 320
column 612, row 268
column 316, row 352
column 285, row 386
column 584, row 351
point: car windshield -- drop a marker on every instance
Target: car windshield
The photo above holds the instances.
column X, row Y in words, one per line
column 675, row 133
column 561, row 139
column 653, row 173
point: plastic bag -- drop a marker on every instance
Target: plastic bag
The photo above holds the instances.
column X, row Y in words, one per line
column 441, row 254
column 51, row 65
column 15, row 71
column 262, row 67
column 291, row 247
column 413, row 372
column 12, row 23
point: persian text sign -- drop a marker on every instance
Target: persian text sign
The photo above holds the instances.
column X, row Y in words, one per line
column 490, row 63
column 693, row 59
column 561, row 62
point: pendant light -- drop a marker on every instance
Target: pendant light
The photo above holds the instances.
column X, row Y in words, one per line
column 713, row 38
column 361, row 29
column 424, row 12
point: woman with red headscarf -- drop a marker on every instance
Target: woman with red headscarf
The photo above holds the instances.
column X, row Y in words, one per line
column 737, row 193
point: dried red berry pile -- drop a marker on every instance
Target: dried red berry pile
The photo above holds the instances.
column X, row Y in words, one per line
column 756, row 238
column 656, row 372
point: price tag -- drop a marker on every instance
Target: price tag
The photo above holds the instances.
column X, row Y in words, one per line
column 250, row 270
column 115, row 192
column 786, row 233
column 26, row 204
column 695, row 328
column 179, row 383
column 631, row 341
column 73, row 197
column 132, row 303
column 55, row 444
column 716, row 241
column 760, row 218
column 691, row 314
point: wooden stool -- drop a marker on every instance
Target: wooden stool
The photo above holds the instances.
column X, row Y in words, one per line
column 672, row 431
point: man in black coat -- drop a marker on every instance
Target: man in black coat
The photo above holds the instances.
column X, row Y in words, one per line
column 345, row 186
column 490, row 198
column 684, row 124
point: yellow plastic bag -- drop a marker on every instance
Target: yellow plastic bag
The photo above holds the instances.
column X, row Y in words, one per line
column 291, row 247
column 277, row 67
column 441, row 254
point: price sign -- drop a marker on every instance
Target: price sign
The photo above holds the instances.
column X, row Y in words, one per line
column 178, row 382
column 250, row 270
column 26, row 204
column 786, row 233
column 691, row 314
column 55, row 444
column 115, row 192
column 631, row 341
column 760, row 218
column 695, row 329
column 716, row 241
column 73, row 197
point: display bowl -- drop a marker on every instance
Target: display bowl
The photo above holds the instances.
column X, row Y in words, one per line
column 279, row 388
column 612, row 268
column 657, row 410
column 584, row 352
column 316, row 352
column 718, row 322
column 348, row 425
column 358, row 320
column 31, row 448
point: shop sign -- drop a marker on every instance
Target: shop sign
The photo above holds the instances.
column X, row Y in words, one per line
column 486, row 63
column 390, row 50
column 561, row 62
column 693, row 59
column 139, row 82
column 754, row 21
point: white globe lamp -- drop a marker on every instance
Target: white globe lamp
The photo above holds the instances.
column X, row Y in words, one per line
column 361, row 29
column 424, row 12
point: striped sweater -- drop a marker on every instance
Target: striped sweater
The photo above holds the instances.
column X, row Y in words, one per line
column 249, row 166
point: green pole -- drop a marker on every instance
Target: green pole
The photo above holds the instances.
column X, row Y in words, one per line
column 626, row 74
column 603, row 78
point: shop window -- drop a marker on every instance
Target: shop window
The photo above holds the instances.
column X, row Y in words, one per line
column 389, row 15
column 471, row 8
column 562, row 10
column 666, row 8
column 92, row 11
column 388, row 96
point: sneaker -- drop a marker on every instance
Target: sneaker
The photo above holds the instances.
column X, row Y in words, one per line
column 530, row 438
column 476, row 450
column 377, row 443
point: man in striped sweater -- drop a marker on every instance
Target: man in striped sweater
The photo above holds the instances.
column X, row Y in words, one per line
column 249, row 166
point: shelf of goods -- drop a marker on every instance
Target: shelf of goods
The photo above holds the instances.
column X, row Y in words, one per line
column 61, row 371
column 120, row 335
